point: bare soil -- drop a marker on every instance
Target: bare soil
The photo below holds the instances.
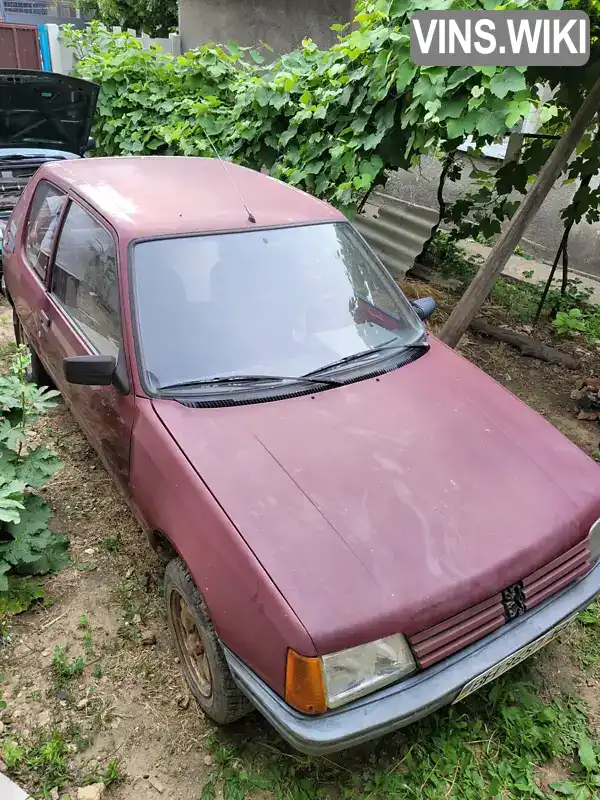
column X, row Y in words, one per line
column 138, row 710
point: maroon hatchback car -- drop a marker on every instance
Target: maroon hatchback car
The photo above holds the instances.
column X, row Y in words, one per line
column 362, row 525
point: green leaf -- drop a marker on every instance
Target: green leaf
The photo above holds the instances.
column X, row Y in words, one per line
column 567, row 788
column 37, row 467
column 19, row 595
column 234, row 48
column 516, row 112
column 554, row 5
column 454, row 108
column 257, row 57
column 509, row 80
column 488, row 123
column 459, row 76
column 404, row 75
column 587, row 756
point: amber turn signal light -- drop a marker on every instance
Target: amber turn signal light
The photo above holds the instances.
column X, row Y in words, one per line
column 304, row 685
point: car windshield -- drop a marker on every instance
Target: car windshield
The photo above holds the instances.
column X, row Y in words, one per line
column 284, row 301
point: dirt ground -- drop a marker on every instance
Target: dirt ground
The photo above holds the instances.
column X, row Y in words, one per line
column 129, row 703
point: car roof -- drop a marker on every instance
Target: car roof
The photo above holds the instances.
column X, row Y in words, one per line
column 145, row 196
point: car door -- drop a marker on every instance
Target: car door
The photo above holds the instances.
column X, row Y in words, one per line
column 84, row 318
column 28, row 289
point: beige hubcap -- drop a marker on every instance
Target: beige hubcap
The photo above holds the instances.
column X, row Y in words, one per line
column 191, row 645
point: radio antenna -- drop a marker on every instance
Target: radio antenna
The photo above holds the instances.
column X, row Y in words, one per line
column 251, row 217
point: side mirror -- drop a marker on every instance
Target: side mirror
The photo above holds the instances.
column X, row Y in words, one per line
column 91, row 144
column 90, row 370
column 424, row 307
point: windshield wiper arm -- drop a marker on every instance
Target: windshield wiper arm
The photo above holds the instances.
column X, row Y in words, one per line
column 391, row 344
column 225, row 379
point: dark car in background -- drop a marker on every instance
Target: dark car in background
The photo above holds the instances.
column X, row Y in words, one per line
column 44, row 117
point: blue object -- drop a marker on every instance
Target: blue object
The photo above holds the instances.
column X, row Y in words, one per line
column 412, row 698
column 45, row 49
column 424, row 307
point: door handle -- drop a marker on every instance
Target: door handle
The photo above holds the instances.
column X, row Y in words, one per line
column 45, row 320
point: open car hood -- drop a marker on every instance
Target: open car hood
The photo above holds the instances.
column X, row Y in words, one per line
column 46, row 110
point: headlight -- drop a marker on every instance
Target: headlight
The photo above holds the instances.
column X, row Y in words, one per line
column 315, row 684
column 361, row 670
column 595, row 541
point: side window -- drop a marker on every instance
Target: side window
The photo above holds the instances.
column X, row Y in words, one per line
column 84, row 279
column 41, row 226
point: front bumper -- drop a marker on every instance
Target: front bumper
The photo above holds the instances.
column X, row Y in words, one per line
column 413, row 698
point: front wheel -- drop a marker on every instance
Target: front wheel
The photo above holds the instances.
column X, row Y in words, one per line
column 200, row 652
column 35, row 372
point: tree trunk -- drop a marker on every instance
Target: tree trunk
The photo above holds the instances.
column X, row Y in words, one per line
column 482, row 283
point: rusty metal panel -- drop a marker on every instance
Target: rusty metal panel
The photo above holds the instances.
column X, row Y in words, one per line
column 19, row 46
column 396, row 230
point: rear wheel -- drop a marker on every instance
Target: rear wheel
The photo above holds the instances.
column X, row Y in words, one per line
column 200, row 652
column 35, row 372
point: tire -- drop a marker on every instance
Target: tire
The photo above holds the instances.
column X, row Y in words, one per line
column 199, row 648
column 36, row 372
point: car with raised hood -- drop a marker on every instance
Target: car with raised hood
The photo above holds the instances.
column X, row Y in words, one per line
column 360, row 525
column 44, row 117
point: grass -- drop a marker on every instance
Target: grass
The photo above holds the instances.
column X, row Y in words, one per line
column 63, row 669
column 491, row 746
column 588, row 652
column 45, row 762
column 88, row 645
column 518, row 300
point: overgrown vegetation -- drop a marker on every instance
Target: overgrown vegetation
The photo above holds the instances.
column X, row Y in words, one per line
column 570, row 312
column 491, row 746
column 27, row 545
column 330, row 122
column 155, row 17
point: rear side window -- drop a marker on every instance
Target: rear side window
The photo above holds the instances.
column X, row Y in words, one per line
column 45, row 210
column 84, row 279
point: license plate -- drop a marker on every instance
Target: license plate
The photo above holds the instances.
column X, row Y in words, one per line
column 511, row 661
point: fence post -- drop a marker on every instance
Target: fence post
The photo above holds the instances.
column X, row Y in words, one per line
column 174, row 43
column 54, row 44
column 145, row 39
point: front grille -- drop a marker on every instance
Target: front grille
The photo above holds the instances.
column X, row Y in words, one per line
column 556, row 575
column 448, row 637
column 445, row 638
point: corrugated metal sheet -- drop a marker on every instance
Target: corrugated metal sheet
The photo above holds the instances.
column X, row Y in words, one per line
column 19, row 47
column 396, row 230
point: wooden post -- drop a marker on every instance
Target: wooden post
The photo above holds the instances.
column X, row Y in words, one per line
column 481, row 285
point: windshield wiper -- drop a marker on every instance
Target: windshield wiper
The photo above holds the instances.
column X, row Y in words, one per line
column 225, row 379
column 391, row 344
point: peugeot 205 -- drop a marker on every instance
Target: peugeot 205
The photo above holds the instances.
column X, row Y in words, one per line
column 363, row 526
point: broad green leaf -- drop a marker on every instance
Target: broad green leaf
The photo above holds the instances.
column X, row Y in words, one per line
column 516, row 112
column 547, row 112
column 587, row 755
column 454, row 107
column 257, row 57
column 404, row 75
column 509, row 80
column 234, row 48
column 459, row 76
column 554, row 5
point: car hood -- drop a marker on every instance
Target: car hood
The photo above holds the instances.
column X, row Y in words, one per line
column 394, row 503
column 45, row 110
